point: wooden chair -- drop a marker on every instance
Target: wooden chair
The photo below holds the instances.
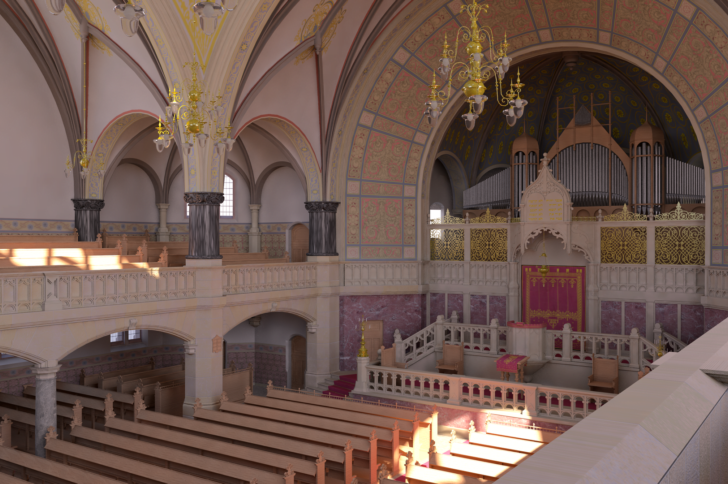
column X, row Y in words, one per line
column 388, row 358
column 453, row 360
column 605, row 375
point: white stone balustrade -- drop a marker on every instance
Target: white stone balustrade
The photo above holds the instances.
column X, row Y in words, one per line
column 268, row 277
column 382, row 274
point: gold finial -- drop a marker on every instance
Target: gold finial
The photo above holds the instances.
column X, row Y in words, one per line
column 660, row 348
column 362, row 349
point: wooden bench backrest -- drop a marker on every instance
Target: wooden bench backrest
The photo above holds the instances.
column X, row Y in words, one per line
column 604, row 369
column 41, row 238
column 505, row 442
column 452, row 354
column 149, row 373
column 206, row 465
column 169, row 397
column 199, row 427
column 399, row 414
column 93, row 380
column 86, row 402
column 245, row 256
column 29, row 403
column 305, row 420
column 236, row 382
column 467, row 467
column 97, row 393
column 48, row 245
column 82, row 456
column 503, row 457
column 333, row 413
column 50, row 468
column 169, row 436
column 534, row 435
column 418, row 475
column 291, row 431
column 129, row 386
column 18, row 416
column 388, row 357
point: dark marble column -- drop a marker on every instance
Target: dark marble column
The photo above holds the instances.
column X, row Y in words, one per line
column 88, row 218
column 322, row 228
column 204, row 224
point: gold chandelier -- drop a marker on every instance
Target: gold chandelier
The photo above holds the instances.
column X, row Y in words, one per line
column 477, row 70
column 192, row 117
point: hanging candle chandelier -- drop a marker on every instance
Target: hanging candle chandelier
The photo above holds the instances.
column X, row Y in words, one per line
column 478, row 69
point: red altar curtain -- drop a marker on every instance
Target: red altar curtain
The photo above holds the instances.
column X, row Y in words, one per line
column 556, row 299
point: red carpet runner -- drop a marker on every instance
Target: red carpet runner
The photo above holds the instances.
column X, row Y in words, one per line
column 342, row 387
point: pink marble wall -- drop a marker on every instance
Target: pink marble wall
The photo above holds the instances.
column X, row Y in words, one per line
column 455, row 303
column 498, row 309
column 611, row 317
column 713, row 317
column 406, row 312
column 635, row 316
column 242, row 354
column 479, row 309
column 437, row 306
column 666, row 316
column 13, row 379
column 270, row 364
column 692, row 322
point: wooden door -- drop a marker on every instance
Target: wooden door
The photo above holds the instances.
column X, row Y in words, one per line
column 299, row 243
column 373, row 338
column 298, row 362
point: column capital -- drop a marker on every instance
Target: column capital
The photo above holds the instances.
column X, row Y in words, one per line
column 255, row 206
column 204, row 198
column 318, row 207
column 46, row 372
column 87, row 204
column 163, row 205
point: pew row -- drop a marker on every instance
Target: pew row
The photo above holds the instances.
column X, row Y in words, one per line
column 94, row 407
column 465, row 466
column 122, row 402
column 422, row 475
column 422, row 430
column 496, row 456
column 29, row 467
column 229, row 259
column 147, row 376
column 93, row 380
column 505, row 443
column 27, row 405
column 366, row 450
column 71, row 238
column 236, row 381
column 176, row 460
column 335, row 459
column 250, row 457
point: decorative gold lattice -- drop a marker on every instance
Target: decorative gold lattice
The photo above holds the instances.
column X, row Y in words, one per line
column 680, row 245
column 487, row 218
column 489, row 245
column 451, row 246
column 625, row 216
column 447, row 220
column 680, row 214
column 624, row 245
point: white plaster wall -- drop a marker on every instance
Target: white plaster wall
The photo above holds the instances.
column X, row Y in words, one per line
column 241, row 198
column 146, row 151
column 242, row 333
column 35, row 146
column 260, row 151
column 440, row 187
column 130, row 197
column 282, row 198
column 555, row 253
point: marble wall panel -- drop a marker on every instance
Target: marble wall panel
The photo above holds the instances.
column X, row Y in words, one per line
column 437, row 306
column 666, row 315
column 498, row 309
column 270, row 367
column 635, row 316
column 713, row 317
column 455, row 303
column 611, row 317
column 479, row 309
column 692, row 322
column 406, row 312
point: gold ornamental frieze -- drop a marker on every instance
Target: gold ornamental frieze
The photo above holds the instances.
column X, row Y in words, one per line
column 680, row 245
column 489, row 245
column 624, row 245
column 450, row 246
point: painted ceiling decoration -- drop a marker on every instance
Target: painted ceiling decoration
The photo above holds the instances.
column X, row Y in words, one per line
column 310, row 27
column 94, row 16
column 202, row 42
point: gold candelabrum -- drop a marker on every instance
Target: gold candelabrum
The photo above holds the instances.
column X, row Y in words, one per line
column 660, row 348
column 479, row 68
column 194, row 115
column 83, row 159
column 362, row 349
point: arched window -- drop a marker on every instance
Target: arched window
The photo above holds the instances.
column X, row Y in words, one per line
column 228, row 190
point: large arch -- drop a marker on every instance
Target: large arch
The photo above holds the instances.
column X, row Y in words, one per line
column 683, row 46
column 304, row 151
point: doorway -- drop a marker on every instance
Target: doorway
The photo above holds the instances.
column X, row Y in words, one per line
column 299, row 243
column 298, row 362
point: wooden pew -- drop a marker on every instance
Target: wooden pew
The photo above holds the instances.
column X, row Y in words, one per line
column 464, row 466
column 27, row 405
column 129, row 242
column 346, row 428
column 177, row 252
column 235, row 382
column 505, row 443
column 95, row 379
column 169, row 397
column 35, row 469
column 178, row 460
column 121, row 379
column 497, row 456
column 253, row 258
column 149, row 383
column 422, row 430
column 48, row 245
column 116, row 466
column 367, row 450
column 533, row 434
column 94, row 408
column 334, row 458
column 422, row 475
column 123, row 403
column 72, row 237
column 21, row 426
column 216, row 449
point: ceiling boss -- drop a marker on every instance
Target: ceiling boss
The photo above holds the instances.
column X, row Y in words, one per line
column 477, row 69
